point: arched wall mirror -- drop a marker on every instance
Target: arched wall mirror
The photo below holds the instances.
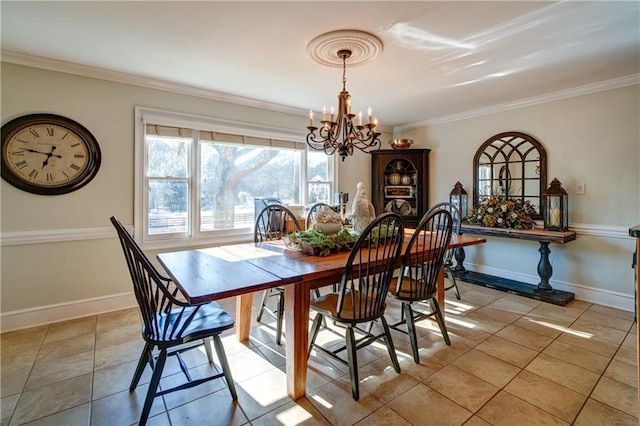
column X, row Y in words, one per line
column 513, row 165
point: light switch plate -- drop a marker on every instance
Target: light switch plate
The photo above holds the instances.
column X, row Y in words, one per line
column 580, row 188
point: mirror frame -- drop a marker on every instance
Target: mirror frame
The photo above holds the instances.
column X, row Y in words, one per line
column 510, row 146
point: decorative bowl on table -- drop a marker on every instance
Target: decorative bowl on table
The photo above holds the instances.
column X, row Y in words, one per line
column 401, row 143
column 327, row 228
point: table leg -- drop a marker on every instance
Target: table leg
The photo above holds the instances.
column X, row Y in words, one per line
column 544, row 267
column 244, row 304
column 440, row 290
column 296, row 319
column 459, row 254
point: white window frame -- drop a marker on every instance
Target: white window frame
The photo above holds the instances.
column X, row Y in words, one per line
column 195, row 237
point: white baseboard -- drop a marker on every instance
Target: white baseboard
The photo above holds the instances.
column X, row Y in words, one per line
column 612, row 299
column 32, row 317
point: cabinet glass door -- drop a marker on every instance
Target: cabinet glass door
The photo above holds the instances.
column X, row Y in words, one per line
column 400, row 187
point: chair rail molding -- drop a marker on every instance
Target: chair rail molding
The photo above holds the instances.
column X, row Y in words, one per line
column 600, row 230
column 41, row 236
column 15, row 238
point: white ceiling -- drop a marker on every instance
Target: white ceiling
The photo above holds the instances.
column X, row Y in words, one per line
column 439, row 58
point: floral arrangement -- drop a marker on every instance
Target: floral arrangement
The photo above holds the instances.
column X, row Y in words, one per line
column 501, row 212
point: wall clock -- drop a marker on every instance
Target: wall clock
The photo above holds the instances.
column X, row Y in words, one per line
column 48, row 154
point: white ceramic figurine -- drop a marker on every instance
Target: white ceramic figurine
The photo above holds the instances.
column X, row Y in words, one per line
column 362, row 211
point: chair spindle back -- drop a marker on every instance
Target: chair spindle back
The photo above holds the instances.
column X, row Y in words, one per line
column 419, row 272
column 369, row 269
column 155, row 294
column 457, row 223
column 274, row 222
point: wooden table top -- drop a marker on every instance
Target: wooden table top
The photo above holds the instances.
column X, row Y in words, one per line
column 215, row 273
column 209, row 274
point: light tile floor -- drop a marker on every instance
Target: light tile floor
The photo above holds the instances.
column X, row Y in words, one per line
column 513, row 361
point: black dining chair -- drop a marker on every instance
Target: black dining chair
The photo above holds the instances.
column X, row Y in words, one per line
column 273, row 223
column 448, row 257
column 418, row 277
column 170, row 326
column 362, row 293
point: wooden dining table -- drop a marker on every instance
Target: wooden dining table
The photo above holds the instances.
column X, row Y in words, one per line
column 239, row 270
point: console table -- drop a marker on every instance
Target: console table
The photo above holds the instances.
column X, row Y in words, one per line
column 544, row 290
column 635, row 232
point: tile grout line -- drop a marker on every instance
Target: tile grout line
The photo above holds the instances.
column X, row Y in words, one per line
column 22, row 390
column 320, row 413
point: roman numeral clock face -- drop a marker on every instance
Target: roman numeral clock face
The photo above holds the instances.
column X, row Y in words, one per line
column 48, row 154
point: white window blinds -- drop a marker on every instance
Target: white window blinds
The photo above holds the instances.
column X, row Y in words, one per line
column 181, row 132
column 249, row 140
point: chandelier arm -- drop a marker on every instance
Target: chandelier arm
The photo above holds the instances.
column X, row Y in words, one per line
column 320, row 145
column 354, row 136
column 371, row 138
column 330, row 132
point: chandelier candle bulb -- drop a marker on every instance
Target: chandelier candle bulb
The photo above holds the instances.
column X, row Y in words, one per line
column 349, row 106
column 311, row 118
column 554, row 217
column 360, row 118
column 369, row 114
column 324, row 113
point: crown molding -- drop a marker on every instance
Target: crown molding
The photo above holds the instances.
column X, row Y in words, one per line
column 135, row 80
column 149, row 83
column 615, row 83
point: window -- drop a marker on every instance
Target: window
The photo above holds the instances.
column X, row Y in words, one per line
column 201, row 180
column 319, row 177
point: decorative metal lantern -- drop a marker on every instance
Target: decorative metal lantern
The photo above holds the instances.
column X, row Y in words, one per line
column 458, row 197
column 556, row 210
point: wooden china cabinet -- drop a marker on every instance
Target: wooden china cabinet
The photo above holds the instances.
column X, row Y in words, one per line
column 400, row 183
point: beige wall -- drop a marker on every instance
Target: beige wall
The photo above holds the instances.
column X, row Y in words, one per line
column 592, row 138
column 63, row 272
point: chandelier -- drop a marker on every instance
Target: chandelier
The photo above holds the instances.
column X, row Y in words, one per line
column 341, row 131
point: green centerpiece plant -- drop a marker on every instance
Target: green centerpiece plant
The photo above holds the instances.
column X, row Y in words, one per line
column 317, row 243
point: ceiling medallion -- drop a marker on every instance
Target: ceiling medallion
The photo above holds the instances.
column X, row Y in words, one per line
column 363, row 46
column 340, row 132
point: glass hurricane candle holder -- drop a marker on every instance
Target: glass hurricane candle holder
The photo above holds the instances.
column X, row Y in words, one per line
column 556, row 210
